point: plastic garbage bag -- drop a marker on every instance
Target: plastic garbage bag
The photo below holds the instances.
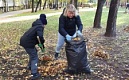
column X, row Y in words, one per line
column 76, row 53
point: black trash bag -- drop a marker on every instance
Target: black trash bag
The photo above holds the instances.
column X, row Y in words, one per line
column 76, row 53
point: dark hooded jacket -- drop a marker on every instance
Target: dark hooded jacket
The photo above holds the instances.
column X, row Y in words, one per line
column 127, row 5
column 29, row 39
column 69, row 25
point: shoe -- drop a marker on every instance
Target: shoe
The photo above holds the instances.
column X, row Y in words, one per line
column 71, row 72
column 56, row 55
column 87, row 71
column 35, row 76
column 28, row 68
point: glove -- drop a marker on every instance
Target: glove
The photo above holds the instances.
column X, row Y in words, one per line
column 43, row 50
column 75, row 35
column 68, row 37
column 42, row 47
column 79, row 33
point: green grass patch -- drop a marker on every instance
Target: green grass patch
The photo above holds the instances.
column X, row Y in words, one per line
column 11, row 32
column 45, row 11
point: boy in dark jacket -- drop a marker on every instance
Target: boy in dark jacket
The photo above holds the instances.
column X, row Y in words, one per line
column 29, row 40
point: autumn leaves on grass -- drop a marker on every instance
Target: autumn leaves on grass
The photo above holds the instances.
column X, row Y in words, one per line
column 101, row 54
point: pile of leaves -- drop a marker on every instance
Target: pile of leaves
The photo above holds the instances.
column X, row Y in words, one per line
column 100, row 53
column 52, row 67
column 112, row 66
column 126, row 28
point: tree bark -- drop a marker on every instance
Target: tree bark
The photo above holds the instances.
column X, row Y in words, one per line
column 5, row 5
column 32, row 6
column 75, row 3
column 127, row 1
column 13, row 5
column 39, row 2
column 107, row 3
column 112, row 16
column 29, row 4
column 56, row 5
column 71, row 1
column 40, row 5
column 44, row 4
column 97, row 20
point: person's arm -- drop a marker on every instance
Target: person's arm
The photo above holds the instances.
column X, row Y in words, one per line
column 40, row 30
column 79, row 23
column 62, row 25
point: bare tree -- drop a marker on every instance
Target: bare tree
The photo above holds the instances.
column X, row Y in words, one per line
column 39, row 2
column 112, row 16
column 32, row 6
column 5, row 5
column 107, row 3
column 71, row 1
column 75, row 3
column 97, row 20
column 44, row 4
column 29, row 4
column 40, row 5
column 13, row 5
column 127, row 1
column 56, row 4
column 26, row 4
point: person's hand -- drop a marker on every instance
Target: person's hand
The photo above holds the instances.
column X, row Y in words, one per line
column 43, row 50
column 68, row 37
column 75, row 35
column 40, row 45
column 79, row 33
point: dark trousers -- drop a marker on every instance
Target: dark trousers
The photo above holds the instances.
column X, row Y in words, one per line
column 33, row 59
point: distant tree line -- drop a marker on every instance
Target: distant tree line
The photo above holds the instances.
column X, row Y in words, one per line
column 8, row 5
column 56, row 4
column 11, row 5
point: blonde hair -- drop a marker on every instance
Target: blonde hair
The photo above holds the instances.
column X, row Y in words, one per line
column 71, row 8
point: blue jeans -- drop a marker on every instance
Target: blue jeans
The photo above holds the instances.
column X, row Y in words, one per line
column 33, row 59
column 60, row 43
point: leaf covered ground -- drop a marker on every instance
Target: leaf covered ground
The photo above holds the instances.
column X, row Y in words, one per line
column 114, row 67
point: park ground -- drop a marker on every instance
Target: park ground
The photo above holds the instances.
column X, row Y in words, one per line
column 115, row 67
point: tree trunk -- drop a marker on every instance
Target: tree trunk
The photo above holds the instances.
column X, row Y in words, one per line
column 5, row 5
column 37, row 5
column 127, row 1
column 71, row 1
column 44, row 4
column 56, row 3
column 53, row 4
column 112, row 16
column 13, row 5
column 90, row 1
column 75, row 3
column 40, row 4
column 32, row 6
column 107, row 3
column 29, row 4
column 26, row 4
column 97, row 20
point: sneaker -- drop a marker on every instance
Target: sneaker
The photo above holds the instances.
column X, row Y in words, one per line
column 35, row 76
column 71, row 72
column 56, row 55
column 87, row 71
